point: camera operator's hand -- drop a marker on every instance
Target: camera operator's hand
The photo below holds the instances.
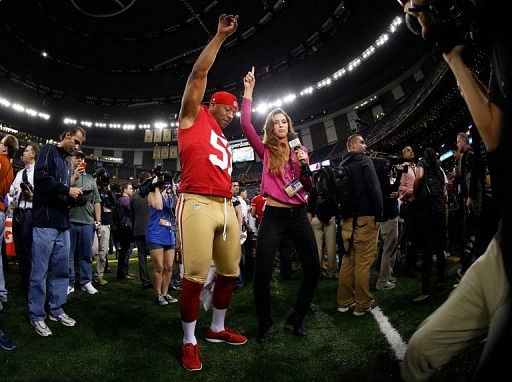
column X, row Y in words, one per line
column 75, row 192
column 27, row 194
column 423, row 16
column 454, row 56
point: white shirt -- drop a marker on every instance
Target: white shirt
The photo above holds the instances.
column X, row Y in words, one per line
column 15, row 190
column 245, row 208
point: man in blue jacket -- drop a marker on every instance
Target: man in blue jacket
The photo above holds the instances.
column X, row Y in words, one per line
column 50, row 218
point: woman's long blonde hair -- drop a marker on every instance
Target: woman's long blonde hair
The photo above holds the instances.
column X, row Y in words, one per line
column 279, row 151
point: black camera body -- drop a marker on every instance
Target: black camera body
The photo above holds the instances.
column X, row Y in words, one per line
column 452, row 22
column 164, row 180
column 385, row 163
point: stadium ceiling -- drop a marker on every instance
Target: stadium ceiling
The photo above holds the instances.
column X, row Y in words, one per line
column 129, row 59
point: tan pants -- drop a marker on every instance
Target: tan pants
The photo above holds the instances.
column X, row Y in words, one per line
column 209, row 231
column 354, row 280
column 470, row 312
column 326, row 232
column 100, row 250
column 389, row 234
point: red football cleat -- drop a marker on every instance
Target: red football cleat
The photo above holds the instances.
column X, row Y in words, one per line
column 191, row 358
column 227, row 335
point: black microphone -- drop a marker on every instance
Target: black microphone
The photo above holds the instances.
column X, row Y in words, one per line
column 294, row 142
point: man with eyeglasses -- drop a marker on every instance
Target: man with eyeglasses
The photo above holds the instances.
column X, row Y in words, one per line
column 50, row 218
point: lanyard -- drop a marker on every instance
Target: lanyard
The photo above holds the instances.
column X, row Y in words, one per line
column 292, row 170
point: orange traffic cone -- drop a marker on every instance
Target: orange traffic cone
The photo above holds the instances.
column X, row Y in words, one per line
column 9, row 239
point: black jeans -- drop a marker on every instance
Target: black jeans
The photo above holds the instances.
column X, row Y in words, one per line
column 124, row 238
column 276, row 223
column 22, row 234
column 143, row 253
column 433, row 229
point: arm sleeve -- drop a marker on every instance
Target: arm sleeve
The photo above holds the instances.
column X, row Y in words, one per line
column 311, row 207
column 307, row 181
column 248, row 128
column 373, row 187
column 44, row 173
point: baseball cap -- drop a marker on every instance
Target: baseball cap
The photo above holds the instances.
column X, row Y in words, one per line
column 224, row 98
column 78, row 153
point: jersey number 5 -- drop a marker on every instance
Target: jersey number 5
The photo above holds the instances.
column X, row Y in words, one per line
column 223, row 158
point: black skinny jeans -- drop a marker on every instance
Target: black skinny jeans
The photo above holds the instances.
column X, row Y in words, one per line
column 276, row 223
column 433, row 243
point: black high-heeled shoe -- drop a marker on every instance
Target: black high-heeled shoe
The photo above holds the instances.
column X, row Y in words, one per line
column 298, row 325
column 264, row 332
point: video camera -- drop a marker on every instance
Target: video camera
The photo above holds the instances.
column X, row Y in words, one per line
column 164, row 181
column 385, row 163
column 102, row 177
column 451, row 22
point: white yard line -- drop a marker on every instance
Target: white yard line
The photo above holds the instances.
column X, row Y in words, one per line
column 393, row 337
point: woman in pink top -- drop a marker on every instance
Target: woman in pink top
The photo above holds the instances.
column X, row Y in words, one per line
column 285, row 186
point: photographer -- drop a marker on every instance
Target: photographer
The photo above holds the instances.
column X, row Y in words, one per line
column 22, row 192
column 85, row 218
column 388, row 230
column 160, row 239
column 140, row 219
column 480, row 306
column 100, row 244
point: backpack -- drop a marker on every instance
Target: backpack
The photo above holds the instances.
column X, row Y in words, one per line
column 343, row 189
column 326, row 204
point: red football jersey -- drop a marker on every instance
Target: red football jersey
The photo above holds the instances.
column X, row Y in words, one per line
column 205, row 157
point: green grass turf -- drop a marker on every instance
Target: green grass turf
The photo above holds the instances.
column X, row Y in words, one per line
column 123, row 335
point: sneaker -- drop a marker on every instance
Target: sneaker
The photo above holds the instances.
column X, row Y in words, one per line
column 392, row 279
column 191, row 357
column 71, row 289
column 385, row 286
column 89, row 288
column 161, row 300
column 101, row 281
column 6, row 343
column 344, row 309
column 169, row 298
column 227, row 335
column 64, row 319
column 41, row 328
column 363, row 312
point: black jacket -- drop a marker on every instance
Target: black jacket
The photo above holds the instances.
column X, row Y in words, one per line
column 52, row 174
column 365, row 188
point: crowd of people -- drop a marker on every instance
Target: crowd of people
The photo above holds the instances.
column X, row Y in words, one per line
column 61, row 213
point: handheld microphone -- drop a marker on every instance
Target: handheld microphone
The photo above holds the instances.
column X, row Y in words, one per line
column 294, row 142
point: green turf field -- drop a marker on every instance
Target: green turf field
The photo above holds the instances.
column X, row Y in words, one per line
column 123, row 335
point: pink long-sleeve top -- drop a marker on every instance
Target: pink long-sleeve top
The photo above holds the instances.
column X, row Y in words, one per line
column 273, row 184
